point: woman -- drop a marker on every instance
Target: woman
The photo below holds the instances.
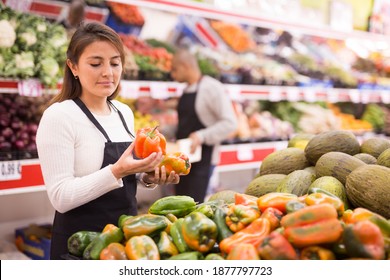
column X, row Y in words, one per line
column 85, row 144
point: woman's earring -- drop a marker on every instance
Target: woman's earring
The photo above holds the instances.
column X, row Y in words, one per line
column 76, row 77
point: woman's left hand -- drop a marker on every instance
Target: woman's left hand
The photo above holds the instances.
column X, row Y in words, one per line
column 160, row 177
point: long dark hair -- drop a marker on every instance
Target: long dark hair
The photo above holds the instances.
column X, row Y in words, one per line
column 86, row 34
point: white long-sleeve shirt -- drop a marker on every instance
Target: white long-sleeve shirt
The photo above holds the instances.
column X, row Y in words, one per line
column 70, row 150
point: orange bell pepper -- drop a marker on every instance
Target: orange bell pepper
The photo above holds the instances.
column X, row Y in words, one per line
column 322, row 232
column 177, row 162
column 318, row 198
column 273, row 215
column 317, row 253
column 245, row 199
column 362, row 214
column 312, row 225
column 275, row 200
column 141, row 247
column 114, row 251
column 243, row 251
column 308, row 215
column 364, row 240
column 252, row 234
column 239, row 216
column 147, row 141
column 276, row 247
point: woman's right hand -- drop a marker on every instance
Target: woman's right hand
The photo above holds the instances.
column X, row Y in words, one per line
column 127, row 165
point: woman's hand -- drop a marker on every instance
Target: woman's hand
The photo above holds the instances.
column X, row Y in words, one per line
column 127, row 165
column 160, row 177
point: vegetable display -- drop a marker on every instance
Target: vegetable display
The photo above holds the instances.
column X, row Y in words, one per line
column 309, row 232
column 315, row 225
column 31, row 47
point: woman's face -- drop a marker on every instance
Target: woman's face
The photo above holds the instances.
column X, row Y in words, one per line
column 99, row 69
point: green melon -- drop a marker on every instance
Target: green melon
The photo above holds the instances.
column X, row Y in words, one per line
column 264, row 184
column 284, row 161
column 299, row 140
column 297, row 182
column 368, row 187
column 366, row 158
column 311, row 169
column 228, row 196
column 332, row 185
column 374, row 146
column 384, row 158
column 331, row 141
column 338, row 165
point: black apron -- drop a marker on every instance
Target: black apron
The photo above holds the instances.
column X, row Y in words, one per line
column 195, row 183
column 106, row 209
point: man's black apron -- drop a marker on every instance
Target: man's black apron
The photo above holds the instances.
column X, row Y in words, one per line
column 195, row 183
column 106, row 209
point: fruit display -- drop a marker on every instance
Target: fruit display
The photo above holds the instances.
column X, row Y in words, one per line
column 234, row 36
column 128, row 14
column 153, row 61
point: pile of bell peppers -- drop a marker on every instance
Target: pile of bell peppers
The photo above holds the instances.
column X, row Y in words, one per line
column 275, row 226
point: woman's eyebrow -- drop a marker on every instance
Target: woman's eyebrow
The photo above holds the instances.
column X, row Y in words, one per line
column 99, row 57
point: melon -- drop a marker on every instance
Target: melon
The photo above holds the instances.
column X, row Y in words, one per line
column 331, row 141
column 297, row 182
column 368, row 187
column 338, row 165
column 374, row 146
column 264, row 184
column 300, row 140
column 366, row 158
column 228, row 196
column 384, row 158
column 284, row 161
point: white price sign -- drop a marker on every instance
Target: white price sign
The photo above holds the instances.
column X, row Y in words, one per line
column 30, row 87
column 275, row 94
column 310, row 95
column 10, row 170
column 129, row 89
column 244, row 153
column 333, row 96
column 354, row 95
column 293, row 94
column 234, row 92
column 365, row 97
column 21, row 6
column 385, row 97
column 159, row 90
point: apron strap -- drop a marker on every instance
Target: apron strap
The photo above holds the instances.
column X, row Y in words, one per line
column 91, row 117
column 122, row 119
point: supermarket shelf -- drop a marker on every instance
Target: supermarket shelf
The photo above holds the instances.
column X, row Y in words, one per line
column 30, row 87
column 252, row 18
column 133, row 89
column 53, row 9
column 232, row 158
column 163, row 90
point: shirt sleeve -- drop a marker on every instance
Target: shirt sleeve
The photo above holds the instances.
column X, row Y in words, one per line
column 55, row 143
column 217, row 113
